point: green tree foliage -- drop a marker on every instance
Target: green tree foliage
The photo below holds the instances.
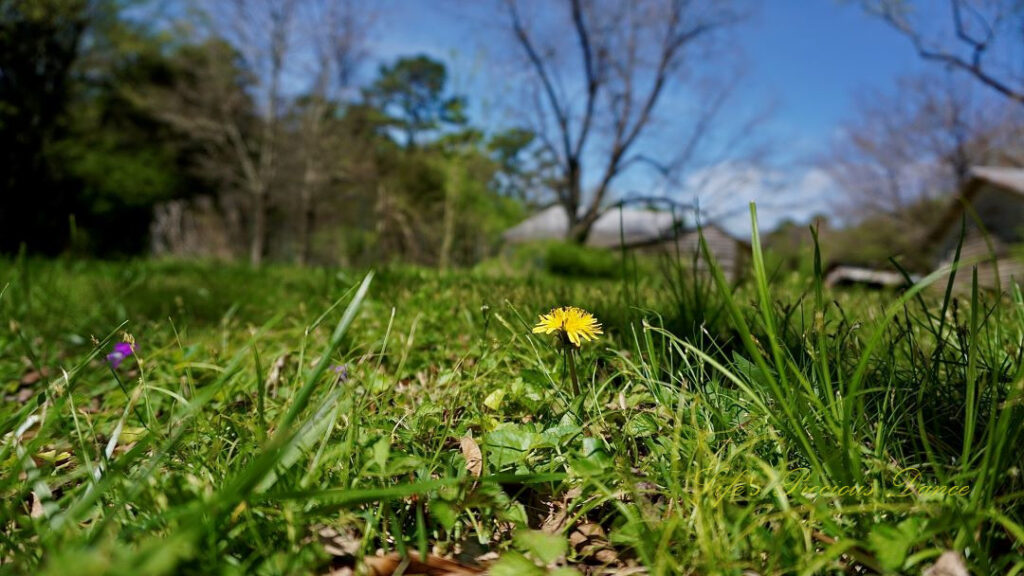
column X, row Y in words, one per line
column 77, row 153
column 876, row 239
column 110, row 125
column 39, row 44
column 411, row 92
column 526, row 172
column 434, row 197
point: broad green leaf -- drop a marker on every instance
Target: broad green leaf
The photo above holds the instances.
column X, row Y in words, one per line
column 493, row 400
column 444, row 513
column 510, row 445
column 515, row 564
column 381, row 451
column 544, row 547
column 891, row 543
column 642, row 425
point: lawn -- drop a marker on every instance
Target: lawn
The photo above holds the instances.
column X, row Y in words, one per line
column 292, row 421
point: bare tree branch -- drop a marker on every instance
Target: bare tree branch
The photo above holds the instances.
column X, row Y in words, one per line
column 894, row 13
column 644, row 46
column 917, row 143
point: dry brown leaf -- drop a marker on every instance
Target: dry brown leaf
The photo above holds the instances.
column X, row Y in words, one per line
column 555, row 520
column 949, row 564
column 339, row 544
column 124, row 448
column 431, row 566
column 474, row 458
column 33, row 376
column 557, row 512
column 275, row 374
column 37, row 507
column 590, row 541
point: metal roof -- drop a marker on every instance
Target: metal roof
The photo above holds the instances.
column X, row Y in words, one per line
column 1010, row 178
column 637, row 226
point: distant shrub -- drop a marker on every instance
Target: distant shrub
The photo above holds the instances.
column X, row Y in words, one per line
column 566, row 259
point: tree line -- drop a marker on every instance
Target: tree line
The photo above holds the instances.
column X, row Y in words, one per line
column 248, row 129
column 238, row 131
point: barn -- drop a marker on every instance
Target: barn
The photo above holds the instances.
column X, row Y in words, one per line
column 648, row 231
column 992, row 204
column 615, row 227
column 731, row 253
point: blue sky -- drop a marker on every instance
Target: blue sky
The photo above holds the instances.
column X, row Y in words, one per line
column 810, row 58
column 815, row 55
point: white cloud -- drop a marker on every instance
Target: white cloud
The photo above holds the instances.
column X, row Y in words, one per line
column 724, row 192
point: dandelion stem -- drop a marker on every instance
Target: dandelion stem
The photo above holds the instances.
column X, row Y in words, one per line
column 571, row 361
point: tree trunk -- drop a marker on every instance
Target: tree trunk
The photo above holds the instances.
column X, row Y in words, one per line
column 579, row 228
column 259, row 227
column 310, row 174
column 307, row 214
column 381, row 210
column 452, row 186
column 307, row 222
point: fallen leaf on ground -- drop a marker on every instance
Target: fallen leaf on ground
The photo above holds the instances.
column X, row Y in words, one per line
column 557, row 516
column 412, row 565
column 33, row 376
column 24, row 394
column 949, row 564
column 275, row 374
column 338, row 543
column 474, row 458
column 590, row 541
column 37, row 507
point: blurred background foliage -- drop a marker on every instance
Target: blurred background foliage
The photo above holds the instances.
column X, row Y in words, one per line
column 257, row 130
column 119, row 137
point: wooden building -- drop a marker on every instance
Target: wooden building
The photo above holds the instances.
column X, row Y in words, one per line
column 850, row 275
column 992, row 202
column 731, row 253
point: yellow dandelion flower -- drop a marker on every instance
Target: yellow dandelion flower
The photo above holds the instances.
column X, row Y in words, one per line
column 571, row 322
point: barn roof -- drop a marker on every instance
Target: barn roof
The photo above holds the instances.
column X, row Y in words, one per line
column 1011, row 179
column 637, row 227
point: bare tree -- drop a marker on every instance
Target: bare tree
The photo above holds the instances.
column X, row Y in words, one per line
column 235, row 101
column 335, row 32
column 919, row 142
column 971, row 43
column 209, row 103
column 260, row 30
column 229, row 101
column 715, row 158
column 903, row 153
column 629, row 53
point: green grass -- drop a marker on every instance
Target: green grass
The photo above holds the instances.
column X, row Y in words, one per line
column 768, row 427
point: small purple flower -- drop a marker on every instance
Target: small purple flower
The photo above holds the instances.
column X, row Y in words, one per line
column 342, row 371
column 122, row 350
